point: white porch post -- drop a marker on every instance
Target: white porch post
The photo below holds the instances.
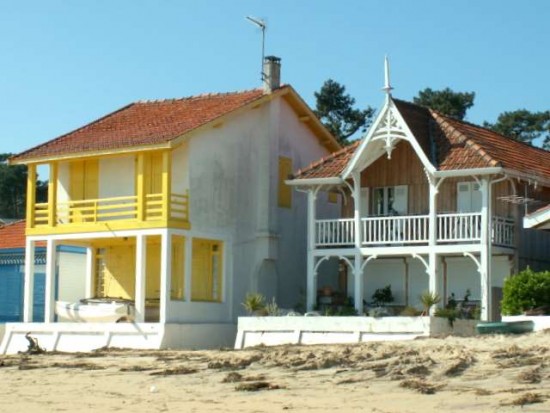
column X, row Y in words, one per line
column 141, row 265
column 89, row 284
column 311, row 286
column 485, row 253
column 433, row 284
column 165, row 272
column 28, row 296
column 49, row 290
column 359, row 284
column 357, row 272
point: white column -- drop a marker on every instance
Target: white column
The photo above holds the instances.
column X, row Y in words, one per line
column 357, row 208
column 311, row 288
column 89, row 282
column 141, row 266
column 358, row 283
column 49, row 290
column 485, row 253
column 357, row 271
column 188, row 268
column 165, row 272
column 433, row 284
column 28, row 297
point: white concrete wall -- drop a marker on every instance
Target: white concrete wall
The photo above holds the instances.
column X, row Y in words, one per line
column 72, row 276
column 296, row 141
column 180, row 169
column 233, row 185
column 63, row 182
column 117, row 176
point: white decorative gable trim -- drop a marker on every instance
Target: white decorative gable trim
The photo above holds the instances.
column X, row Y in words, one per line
column 390, row 128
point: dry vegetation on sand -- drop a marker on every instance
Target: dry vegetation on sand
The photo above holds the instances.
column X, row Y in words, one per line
column 483, row 374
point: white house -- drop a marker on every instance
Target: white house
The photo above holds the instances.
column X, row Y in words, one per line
column 182, row 208
column 430, row 203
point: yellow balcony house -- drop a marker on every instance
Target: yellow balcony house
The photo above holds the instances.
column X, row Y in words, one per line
column 182, row 208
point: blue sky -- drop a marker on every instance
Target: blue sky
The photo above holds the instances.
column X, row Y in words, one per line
column 66, row 63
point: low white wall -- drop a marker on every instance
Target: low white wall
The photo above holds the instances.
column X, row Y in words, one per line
column 2, row 330
column 83, row 337
column 271, row 331
column 541, row 322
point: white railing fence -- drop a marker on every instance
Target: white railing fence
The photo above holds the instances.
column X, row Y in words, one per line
column 334, row 232
column 412, row 229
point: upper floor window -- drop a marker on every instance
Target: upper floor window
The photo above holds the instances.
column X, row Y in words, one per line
column 390, row 200
column 468, row 197
column 285, row 191
column 83, row 180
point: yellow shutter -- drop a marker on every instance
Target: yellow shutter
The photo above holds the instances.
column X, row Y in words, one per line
column 84, row 180
column 76, row 186
column 153, row 173
column 332, row 197
column 207, row 268
column 177, row 291
column 91, row 179
column 285, row 191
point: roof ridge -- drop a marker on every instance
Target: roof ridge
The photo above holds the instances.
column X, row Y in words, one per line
column 463, row 138
column 199, row 96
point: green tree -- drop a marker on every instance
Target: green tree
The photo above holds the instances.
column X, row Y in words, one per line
column 335, row 109
column 446, row 101
column 13, row 184
column 523, row 125
column 525, row 291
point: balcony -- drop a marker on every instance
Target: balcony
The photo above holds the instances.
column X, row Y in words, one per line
column 411, row 230
column 106, row 214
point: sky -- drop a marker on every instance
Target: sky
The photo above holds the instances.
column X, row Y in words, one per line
column 66, row 63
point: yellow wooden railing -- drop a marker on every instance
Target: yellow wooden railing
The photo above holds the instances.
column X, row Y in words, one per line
column 122, row 208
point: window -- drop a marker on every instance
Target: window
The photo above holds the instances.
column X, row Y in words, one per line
column 390, row 200
column 468, row 198
column 177, row 291
column 83, row 180
column 285, row 191
column 206, row 281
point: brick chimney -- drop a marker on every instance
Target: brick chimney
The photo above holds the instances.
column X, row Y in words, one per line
column 272, row 73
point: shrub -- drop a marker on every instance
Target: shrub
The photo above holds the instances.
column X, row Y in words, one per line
column 410, row 312
column 383, row 296
column 525, row 291
column 428, row 300
column 254, row 303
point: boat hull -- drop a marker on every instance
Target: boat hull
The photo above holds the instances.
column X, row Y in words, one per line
column 505, row 327
column 95, row 311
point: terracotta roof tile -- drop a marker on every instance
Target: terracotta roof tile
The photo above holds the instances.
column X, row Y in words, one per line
column 449, row 144
column 144, row 123
column 13, row 235
column 328, row 166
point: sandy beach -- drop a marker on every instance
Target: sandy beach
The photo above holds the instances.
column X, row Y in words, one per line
column 482, row 374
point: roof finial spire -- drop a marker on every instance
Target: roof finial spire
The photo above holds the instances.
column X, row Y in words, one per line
column 387, row 87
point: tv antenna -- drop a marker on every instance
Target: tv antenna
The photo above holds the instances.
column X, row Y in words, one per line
column 261, row 24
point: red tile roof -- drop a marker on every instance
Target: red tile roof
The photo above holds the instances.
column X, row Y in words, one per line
column 144, row 123
column 450, row 144
column 331, row 165
column 13, row 235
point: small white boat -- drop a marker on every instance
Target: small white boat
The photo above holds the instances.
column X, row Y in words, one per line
column 96, row 310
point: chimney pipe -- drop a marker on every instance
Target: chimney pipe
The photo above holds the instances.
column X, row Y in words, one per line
column 272, row 73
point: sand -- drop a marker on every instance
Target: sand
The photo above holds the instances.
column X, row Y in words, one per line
column 481, row 374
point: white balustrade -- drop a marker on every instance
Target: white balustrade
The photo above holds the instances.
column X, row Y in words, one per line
column 334, row 232
column 412, row 229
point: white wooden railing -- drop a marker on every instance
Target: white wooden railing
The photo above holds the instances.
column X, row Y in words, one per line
column 334, row 232
column 503, row 231
column 459, row 227
column 411, row 230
